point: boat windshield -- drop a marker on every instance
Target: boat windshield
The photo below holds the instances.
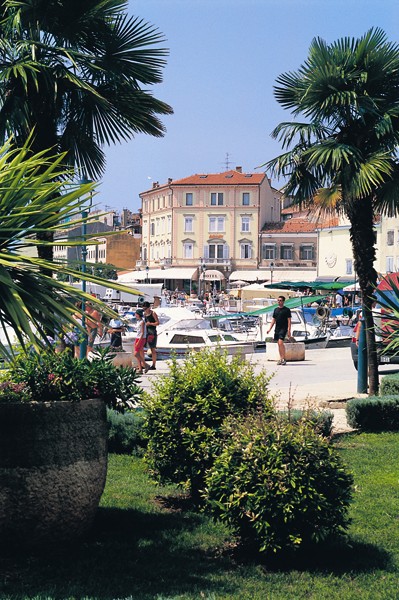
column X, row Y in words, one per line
column 191, row 324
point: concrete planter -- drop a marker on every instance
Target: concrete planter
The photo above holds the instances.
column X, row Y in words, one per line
column 53, row 466
column 293, row 351
column 123, row 359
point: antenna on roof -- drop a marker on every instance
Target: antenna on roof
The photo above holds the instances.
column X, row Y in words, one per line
column 227, row 161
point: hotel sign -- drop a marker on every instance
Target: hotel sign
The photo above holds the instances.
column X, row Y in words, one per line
column 216, row 236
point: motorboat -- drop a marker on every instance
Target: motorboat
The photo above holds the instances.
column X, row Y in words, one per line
column 189, row 335
column 304, row 328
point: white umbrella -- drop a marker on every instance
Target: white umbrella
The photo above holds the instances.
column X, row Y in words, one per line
column 238, row 283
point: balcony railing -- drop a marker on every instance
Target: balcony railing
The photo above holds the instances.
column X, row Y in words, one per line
column 165, row 262
column 226, row 262
column 141, row 264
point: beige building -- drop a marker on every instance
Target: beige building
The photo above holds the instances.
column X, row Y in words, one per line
column 207, row 222
column 289, row 249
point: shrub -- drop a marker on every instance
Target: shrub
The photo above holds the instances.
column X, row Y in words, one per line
column 125, row 433
column 48, row 377
column 278, row 484
column 389, row 385
column 185, row 414
column 375, row 413
column 321, row 421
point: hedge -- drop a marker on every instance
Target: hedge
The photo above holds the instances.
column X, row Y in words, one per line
column 374, row 413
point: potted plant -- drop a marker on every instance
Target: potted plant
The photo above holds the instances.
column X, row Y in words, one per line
column 53, row 442
column 52, row 408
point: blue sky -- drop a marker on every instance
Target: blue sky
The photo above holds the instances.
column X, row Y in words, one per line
column 224, row 58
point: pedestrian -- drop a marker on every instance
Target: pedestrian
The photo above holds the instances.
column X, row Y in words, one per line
column 94, row 325
column 152, row 322
column 282, row 320
column 140, row 341
column 116, row 328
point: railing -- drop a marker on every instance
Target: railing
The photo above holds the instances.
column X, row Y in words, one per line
column 165, row 262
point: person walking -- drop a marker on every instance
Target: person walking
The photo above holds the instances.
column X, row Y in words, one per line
column 94, row 326
column 282, row 320
column 152, row 322
column 140, row 341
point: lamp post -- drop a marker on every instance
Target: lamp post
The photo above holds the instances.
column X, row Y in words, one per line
column 85, row 214
column 271, row 271
column 203, row 269
column 147, row 269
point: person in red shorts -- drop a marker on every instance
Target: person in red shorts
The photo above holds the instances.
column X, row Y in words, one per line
column 139, row 342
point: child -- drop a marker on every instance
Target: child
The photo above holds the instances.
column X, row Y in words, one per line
column 140, row 341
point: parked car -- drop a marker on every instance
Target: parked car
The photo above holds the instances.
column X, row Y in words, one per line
column 383, row 356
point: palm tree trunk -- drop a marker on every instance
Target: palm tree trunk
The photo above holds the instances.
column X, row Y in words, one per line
column 362, row 235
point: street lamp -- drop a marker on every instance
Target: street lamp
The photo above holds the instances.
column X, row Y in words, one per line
column 203, row 269
column 85, row 214
column 147, row 269
column 271, row 271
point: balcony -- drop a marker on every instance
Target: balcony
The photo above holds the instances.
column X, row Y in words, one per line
column 165, row 262
column 221, row 262
column 141, row 264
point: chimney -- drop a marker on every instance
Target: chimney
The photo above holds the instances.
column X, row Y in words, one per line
column 239, row 169
column 170, row 180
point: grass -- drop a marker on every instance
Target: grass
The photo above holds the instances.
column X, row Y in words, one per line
column 144, row 547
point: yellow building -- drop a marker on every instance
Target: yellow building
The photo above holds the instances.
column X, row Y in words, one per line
column 207, row 223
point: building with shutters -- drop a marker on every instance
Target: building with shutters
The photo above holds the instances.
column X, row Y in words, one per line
column 208, row 223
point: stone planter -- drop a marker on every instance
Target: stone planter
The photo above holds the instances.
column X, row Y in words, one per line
column 123, row 359
column 53, row 466
column 293, row 351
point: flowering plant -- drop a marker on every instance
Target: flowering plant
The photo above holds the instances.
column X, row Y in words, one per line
column 48, row 377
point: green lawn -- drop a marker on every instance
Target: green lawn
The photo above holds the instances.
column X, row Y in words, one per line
column 145, row 547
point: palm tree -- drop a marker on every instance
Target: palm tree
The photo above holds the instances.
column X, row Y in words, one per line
column 343, row 158
column 34, row 196
column 76, row 73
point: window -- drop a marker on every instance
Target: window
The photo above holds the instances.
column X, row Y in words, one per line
column 245, row 250
column 216, row 224
column 306, row 252
column 152, row 231
column 188, row 224
column 269, row 251
column 245, row 199
column 216, row 251
column 188, row 250
column 286, row 252
column 245, row 223
column 389, row 264
column 189, row 199
column 216, row 199
column 390, row 237
column 349, row 268
column 183, row 338
column 169, row 224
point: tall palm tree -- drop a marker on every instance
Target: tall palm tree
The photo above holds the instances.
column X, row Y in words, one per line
column 76, row 73
column 343, row 158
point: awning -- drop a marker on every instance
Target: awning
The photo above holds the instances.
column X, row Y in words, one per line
column 160, row 274
column 212, row 275
column 253, row 275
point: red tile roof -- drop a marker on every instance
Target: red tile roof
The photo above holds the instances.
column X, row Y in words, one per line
column 290, row 226
column 227, row 178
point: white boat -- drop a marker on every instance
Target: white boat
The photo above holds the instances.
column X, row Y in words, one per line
column 189, row 335
column 304, row 328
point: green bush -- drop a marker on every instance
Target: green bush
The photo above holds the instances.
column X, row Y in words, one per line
column 278, row 484
column 375, row 413
column 321, row 421
column 49, row 377
column 185, row 413
column 389, row 385
column 125, row 432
